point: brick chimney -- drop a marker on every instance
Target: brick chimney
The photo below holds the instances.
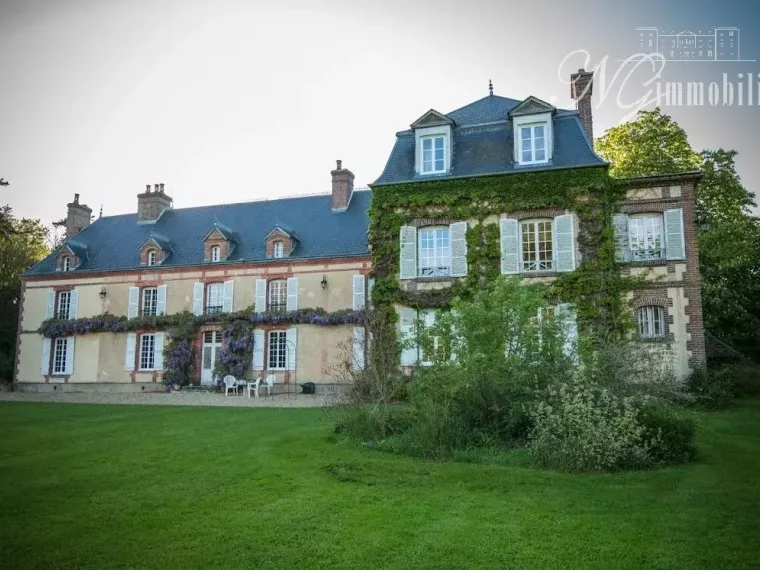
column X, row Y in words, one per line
column 342, row 187
column 581, row 88
column 77, row 218
column 150, row 205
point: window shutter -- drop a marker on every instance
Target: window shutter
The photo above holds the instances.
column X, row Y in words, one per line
column 570, row 324
column 158, row 351
column 358, row 292
column 370, row 286
column 260, row 302
column 161, row 300
column 291, row 336
column 69, row 368
column 674, row 240
column 510, row 247
column 408, row 262
column 198, row 299
column 73, row 302
column 50, row 305
column 132, row 307
column 258, row 350
column 129, row 358
column 292, row 302
column 622, row 245
column 358, row 334
column 564, row 232
column 458, row 241
column 45, row 362
column 406, row 326
column 228, row 295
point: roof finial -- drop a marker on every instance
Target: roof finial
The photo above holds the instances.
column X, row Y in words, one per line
column 101, row 211
column 490, row 87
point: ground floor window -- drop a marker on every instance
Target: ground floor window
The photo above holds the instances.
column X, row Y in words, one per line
column 147, row 352
column 59, row 355
column 278, row 350
column 652, row 322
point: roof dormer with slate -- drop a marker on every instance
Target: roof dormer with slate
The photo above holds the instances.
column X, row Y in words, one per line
column 155, row 249
column 279, row 243
column 218, row 244
column 70, row 256
column 494, row 135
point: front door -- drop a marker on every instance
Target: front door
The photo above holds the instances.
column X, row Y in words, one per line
column 212, row 342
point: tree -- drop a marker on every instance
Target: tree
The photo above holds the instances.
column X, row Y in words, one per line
column 21, row 248
column 730, row 249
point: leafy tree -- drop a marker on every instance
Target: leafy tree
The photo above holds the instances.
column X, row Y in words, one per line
column 23, row 246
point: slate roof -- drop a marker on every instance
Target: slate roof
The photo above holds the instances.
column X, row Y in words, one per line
column 113, row 242
column 483, row 143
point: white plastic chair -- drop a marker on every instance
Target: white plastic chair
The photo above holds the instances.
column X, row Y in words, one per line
column 269, row 381
column 254, row 387
column 230, row 383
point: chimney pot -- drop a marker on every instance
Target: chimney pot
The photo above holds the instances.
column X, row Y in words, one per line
column 151, row 205
column 76, row 198
column 339, row 164
column 147, row 188
column 162, row 188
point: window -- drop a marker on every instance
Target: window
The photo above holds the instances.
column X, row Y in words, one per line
column 152, row 257
column 433, row 154
column 147, row 351
column 64, row 305
column 537, row 245
column 279, row 249
column 278, row 295
column 645, row 236
column 434, row 252
column 65, row 263
column 150, row 301
column 532, row 144
column 215, row 253
column 278, row 350
column 652, row 322
column 59, row 355
column 214, row 298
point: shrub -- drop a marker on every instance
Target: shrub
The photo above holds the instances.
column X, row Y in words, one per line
column 672, row 435
column 712, row 389
column 746, row 379
column 374, row 423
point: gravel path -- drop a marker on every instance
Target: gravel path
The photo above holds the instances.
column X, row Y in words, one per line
column 171, row 399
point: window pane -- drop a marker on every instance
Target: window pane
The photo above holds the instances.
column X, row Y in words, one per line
column 434, row 253
column 427, row 144
column 645, row 235
column 538, row 131
column 439, row 144
column 525, row 134
column 540, row 154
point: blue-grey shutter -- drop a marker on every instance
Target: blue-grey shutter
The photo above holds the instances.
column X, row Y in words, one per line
column 291, row 337
column 161, row 300
column 564, row 232
column 509, row 230
column 73, row 303
column 258, row 349
column 570, row 324
column 358, row 292
column 408, row 261
column 291, row 302
column 406, row 329
column 45, row 362
column 69, row 365
column 50, row 313
column 198, row 298
column 158, row 351
column 260, row 302
column 129, row 356
column 458, row 241
column 229, row 288
column 133, row 302
column 358, row 335
column 674, row 239
column 622, row 241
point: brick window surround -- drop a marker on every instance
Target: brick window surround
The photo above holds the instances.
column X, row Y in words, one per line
column 216, row 239
column 278, row 235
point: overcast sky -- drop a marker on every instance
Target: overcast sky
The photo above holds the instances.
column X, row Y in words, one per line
column 230, row 101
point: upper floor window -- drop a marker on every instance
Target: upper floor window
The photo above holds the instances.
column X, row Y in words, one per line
column 537, row 245
column 278, row 350
column 152, row 257
column 433, row 154
column 278, row 295
column 434, row 252
column 214, row 298
column 279, row 249
column 646, row 236
column 150, row 301
column 651, row 322
column 64, row 305
column 216, row 253
column 533, row 144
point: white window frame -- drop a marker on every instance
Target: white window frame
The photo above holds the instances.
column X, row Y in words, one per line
column 548, row 265
column 278, row 249
column 531, row 127
column 277, row 295
column 433, row 132
column 216, row 254
column 147, row 355
column 60, row 350
column 277, row 350
column 650, row 318
column 642, row 230
column 59, row 304
column 433, row 160
column 66, row 263
column 214, row 292
column 149, row 292
column 152, row 257
column 441, row 252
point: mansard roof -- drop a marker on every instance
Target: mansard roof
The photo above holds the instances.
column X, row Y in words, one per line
column 114, row 242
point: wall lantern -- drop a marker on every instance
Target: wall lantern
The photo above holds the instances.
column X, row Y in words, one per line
column 103, row 293
column 324, row 281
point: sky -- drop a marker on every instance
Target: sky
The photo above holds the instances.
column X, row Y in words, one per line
column 231, row 101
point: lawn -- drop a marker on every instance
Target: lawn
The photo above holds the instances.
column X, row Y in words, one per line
column 86, row 486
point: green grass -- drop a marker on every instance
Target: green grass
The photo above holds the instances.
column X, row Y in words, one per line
column 85, row 486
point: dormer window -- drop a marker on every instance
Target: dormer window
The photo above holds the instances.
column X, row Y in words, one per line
column 216, row 254
column 66, row 263
column 152, row 257
column 533, row 144
column 279, row 249
column 433, row 154
column 533, row 122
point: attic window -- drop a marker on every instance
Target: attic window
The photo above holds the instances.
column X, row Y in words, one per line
column 215, row 253
column 533, row 143
column 433, row 154
column 152, row 257
column 65, row 263
column 279, row 249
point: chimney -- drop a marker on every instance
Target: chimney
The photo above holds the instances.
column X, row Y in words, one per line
column 150, row 205
column 77, row 218
column 581, row 87
column 342, row 187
